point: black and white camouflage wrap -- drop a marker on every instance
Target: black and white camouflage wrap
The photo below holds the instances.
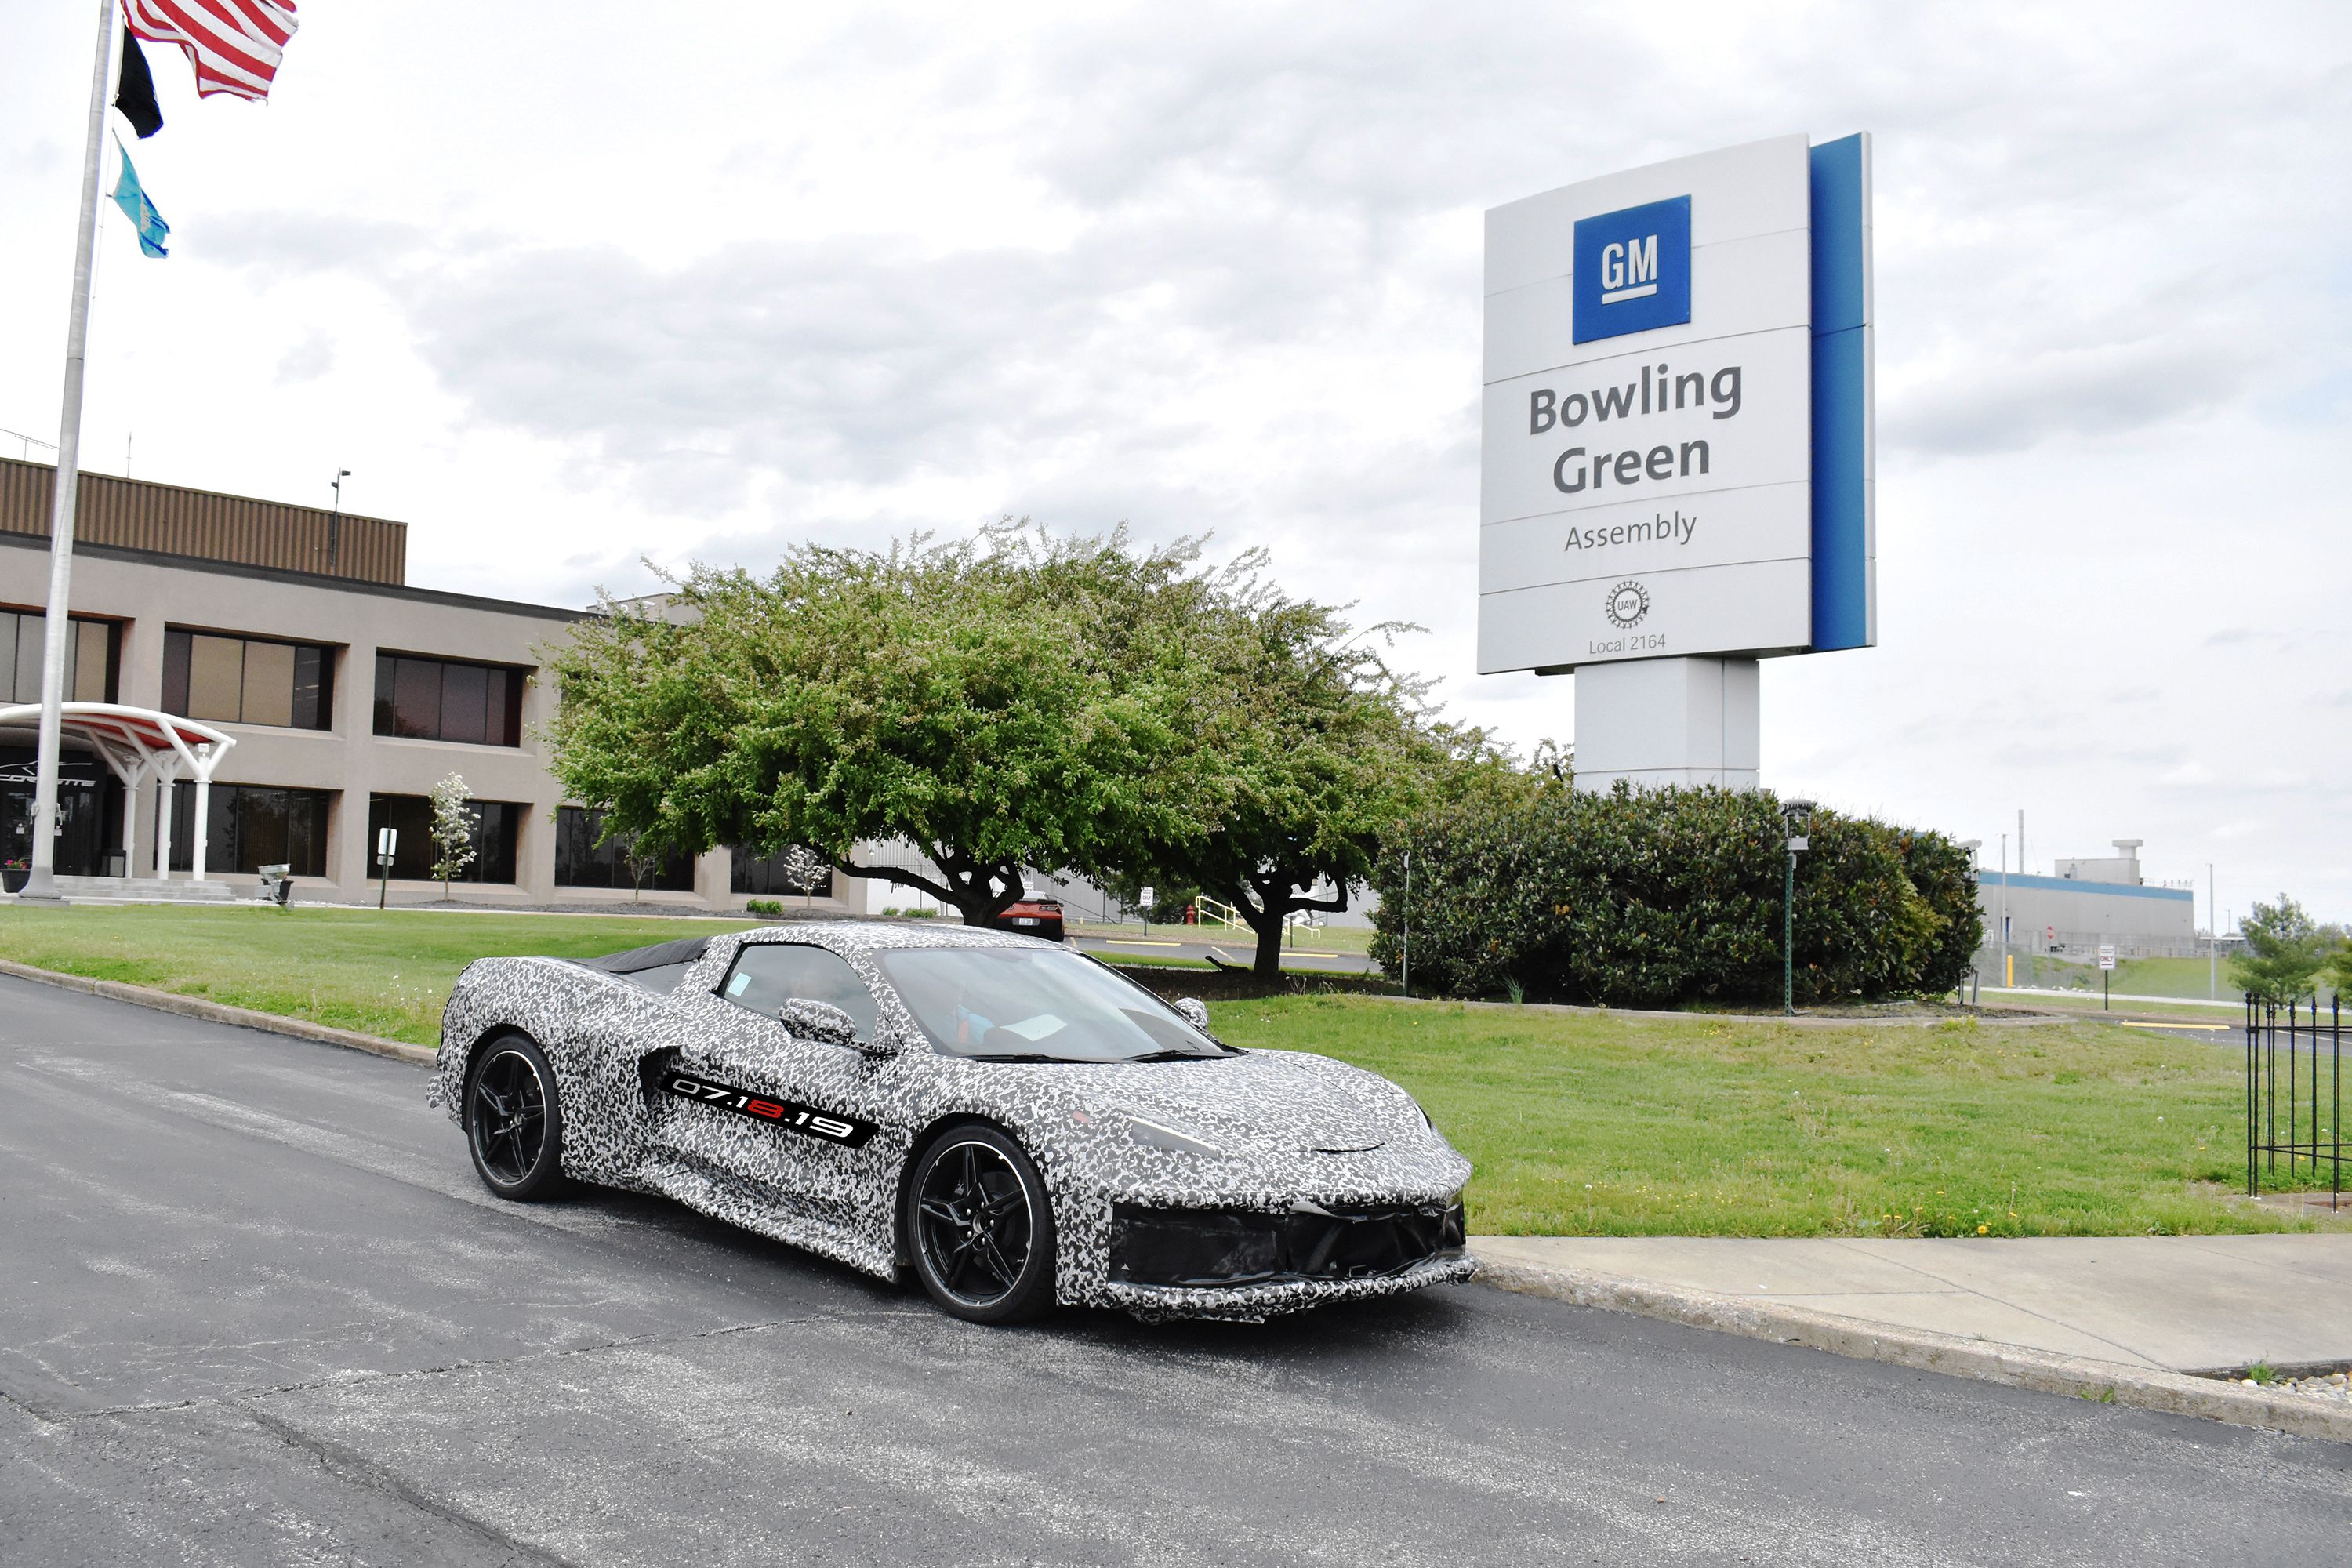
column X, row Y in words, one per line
column 1296, row 1128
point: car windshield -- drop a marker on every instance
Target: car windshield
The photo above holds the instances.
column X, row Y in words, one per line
column 1035, row 1003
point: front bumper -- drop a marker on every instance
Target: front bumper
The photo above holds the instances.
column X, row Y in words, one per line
column 1248, row 1263
column 1255, row 1303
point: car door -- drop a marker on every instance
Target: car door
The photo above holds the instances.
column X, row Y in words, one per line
column 762, row 1107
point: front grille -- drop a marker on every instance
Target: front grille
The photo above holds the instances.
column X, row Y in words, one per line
column 1226, row 1246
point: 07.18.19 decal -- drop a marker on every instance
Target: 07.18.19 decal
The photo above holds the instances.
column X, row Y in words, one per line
column 847, row 1131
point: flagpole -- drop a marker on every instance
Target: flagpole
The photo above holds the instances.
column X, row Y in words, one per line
column 40, row 881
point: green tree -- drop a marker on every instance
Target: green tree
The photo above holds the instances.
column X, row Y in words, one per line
column 1308, row 748
column 985, row 700
column 452, row 829
column 2284, row 953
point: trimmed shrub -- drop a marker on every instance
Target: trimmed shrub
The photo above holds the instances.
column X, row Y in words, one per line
column 1655, row 898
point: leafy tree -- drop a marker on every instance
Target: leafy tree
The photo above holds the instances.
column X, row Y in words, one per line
column 2284, row 953
column 452, row 830
column 985, row 700
column 1310, row 748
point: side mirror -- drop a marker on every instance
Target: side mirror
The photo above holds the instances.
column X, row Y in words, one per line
column 822, row 1021
column 1195, row 1012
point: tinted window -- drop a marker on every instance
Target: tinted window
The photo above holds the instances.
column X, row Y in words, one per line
column 248, row 827
column 448, row 699
column 247, row 680
column 768, row 974
column 498, row 829
column 581, row 861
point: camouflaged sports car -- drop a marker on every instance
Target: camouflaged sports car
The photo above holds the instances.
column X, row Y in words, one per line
column 1017, row 1123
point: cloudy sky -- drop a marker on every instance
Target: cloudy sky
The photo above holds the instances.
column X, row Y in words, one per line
column 568, row 285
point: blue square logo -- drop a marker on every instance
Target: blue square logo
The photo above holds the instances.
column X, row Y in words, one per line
column 1633, row 270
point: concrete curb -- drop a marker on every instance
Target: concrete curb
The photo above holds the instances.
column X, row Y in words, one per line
column 220, row 1012
column 2175, row 1393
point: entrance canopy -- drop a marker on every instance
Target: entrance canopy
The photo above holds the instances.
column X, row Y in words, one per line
column 139, row 745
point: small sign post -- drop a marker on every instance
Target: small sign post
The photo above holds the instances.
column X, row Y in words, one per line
column 1143, row 903
column 2107, row 970
column 387, row 841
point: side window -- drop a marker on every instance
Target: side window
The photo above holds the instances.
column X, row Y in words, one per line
column 770, row 974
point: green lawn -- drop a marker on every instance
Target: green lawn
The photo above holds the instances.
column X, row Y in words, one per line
column 1579, row 1122
column 1583, row 1123
column 381, row 972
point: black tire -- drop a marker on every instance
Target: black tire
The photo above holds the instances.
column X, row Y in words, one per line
column 514, row 1119
column 986, row 1261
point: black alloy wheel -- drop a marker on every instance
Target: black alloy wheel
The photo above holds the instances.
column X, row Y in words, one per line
column 514, row 1121
column 979, row 1226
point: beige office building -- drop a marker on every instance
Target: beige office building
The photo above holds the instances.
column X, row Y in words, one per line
column 346, row 694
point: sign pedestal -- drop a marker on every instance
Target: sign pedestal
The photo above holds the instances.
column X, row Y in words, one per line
column 1659, row 722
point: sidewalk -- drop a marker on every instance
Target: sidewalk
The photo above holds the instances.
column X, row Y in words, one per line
column 2144, row 1320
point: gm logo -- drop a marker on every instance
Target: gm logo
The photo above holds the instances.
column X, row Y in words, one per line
column 1633, row 270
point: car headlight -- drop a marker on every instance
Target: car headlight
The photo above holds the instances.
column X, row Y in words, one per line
column 1153, row 1135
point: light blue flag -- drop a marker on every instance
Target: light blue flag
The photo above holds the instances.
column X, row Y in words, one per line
column 132, row 199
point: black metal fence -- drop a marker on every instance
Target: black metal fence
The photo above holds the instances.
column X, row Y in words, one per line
column 2294, row 1096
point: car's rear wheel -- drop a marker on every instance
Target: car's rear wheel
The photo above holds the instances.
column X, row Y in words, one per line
column 979, row 1226
column 514, row 1120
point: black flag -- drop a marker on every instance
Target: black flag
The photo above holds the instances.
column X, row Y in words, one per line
column 134, row 90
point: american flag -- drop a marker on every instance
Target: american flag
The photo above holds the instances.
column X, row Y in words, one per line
column 234, row 44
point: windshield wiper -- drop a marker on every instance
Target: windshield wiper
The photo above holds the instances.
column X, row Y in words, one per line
column 1014, row 1057
column 1174, row 1056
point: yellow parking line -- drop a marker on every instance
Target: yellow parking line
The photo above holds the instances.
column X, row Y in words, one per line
column 2133, row 1023
column 1133, row 941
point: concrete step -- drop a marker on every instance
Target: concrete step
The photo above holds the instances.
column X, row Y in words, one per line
column 178, row 889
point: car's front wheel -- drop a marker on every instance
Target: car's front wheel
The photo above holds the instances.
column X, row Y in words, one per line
column 514, row 1121
column 979, row 1226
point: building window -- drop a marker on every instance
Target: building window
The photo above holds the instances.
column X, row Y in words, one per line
column 498, row 829
column 766, row 874
column 248, row 826
column 248, row 680
column 446, row 700
column 90, row 656
column 582, row 862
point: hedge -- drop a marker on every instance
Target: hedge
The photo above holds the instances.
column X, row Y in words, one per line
column 1656, row 898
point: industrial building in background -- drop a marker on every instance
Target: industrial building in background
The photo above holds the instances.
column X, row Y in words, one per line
column 2089, row 904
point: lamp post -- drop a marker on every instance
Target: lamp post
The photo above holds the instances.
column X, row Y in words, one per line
column 1971, row 846
column 335, row 524
column 1799, row 814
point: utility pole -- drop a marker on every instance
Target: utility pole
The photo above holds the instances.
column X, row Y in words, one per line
column 2213, row 939
column 2020, row 841
column 40, row 878
column 2008, row 975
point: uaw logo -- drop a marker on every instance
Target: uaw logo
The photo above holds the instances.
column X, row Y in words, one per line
column 1632, row 270
column 1628, row 602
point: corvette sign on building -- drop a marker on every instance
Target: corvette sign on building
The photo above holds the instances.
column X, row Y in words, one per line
column 1676, row 413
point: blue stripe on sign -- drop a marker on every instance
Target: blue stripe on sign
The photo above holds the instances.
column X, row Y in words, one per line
column 1836, row 183
column 1841, row 531
column 1840, row 398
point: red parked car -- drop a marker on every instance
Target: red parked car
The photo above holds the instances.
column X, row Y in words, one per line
column 1034, row 917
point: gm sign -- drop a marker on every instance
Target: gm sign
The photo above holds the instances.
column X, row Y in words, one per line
column 1632, row 270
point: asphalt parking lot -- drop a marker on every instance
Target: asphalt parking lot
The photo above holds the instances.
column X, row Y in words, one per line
column 255, row 1308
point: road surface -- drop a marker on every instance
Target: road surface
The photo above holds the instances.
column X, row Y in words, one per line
column 255, row 1308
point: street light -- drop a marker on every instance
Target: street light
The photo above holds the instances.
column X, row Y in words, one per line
column 335, row 523
column 1799, row 814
